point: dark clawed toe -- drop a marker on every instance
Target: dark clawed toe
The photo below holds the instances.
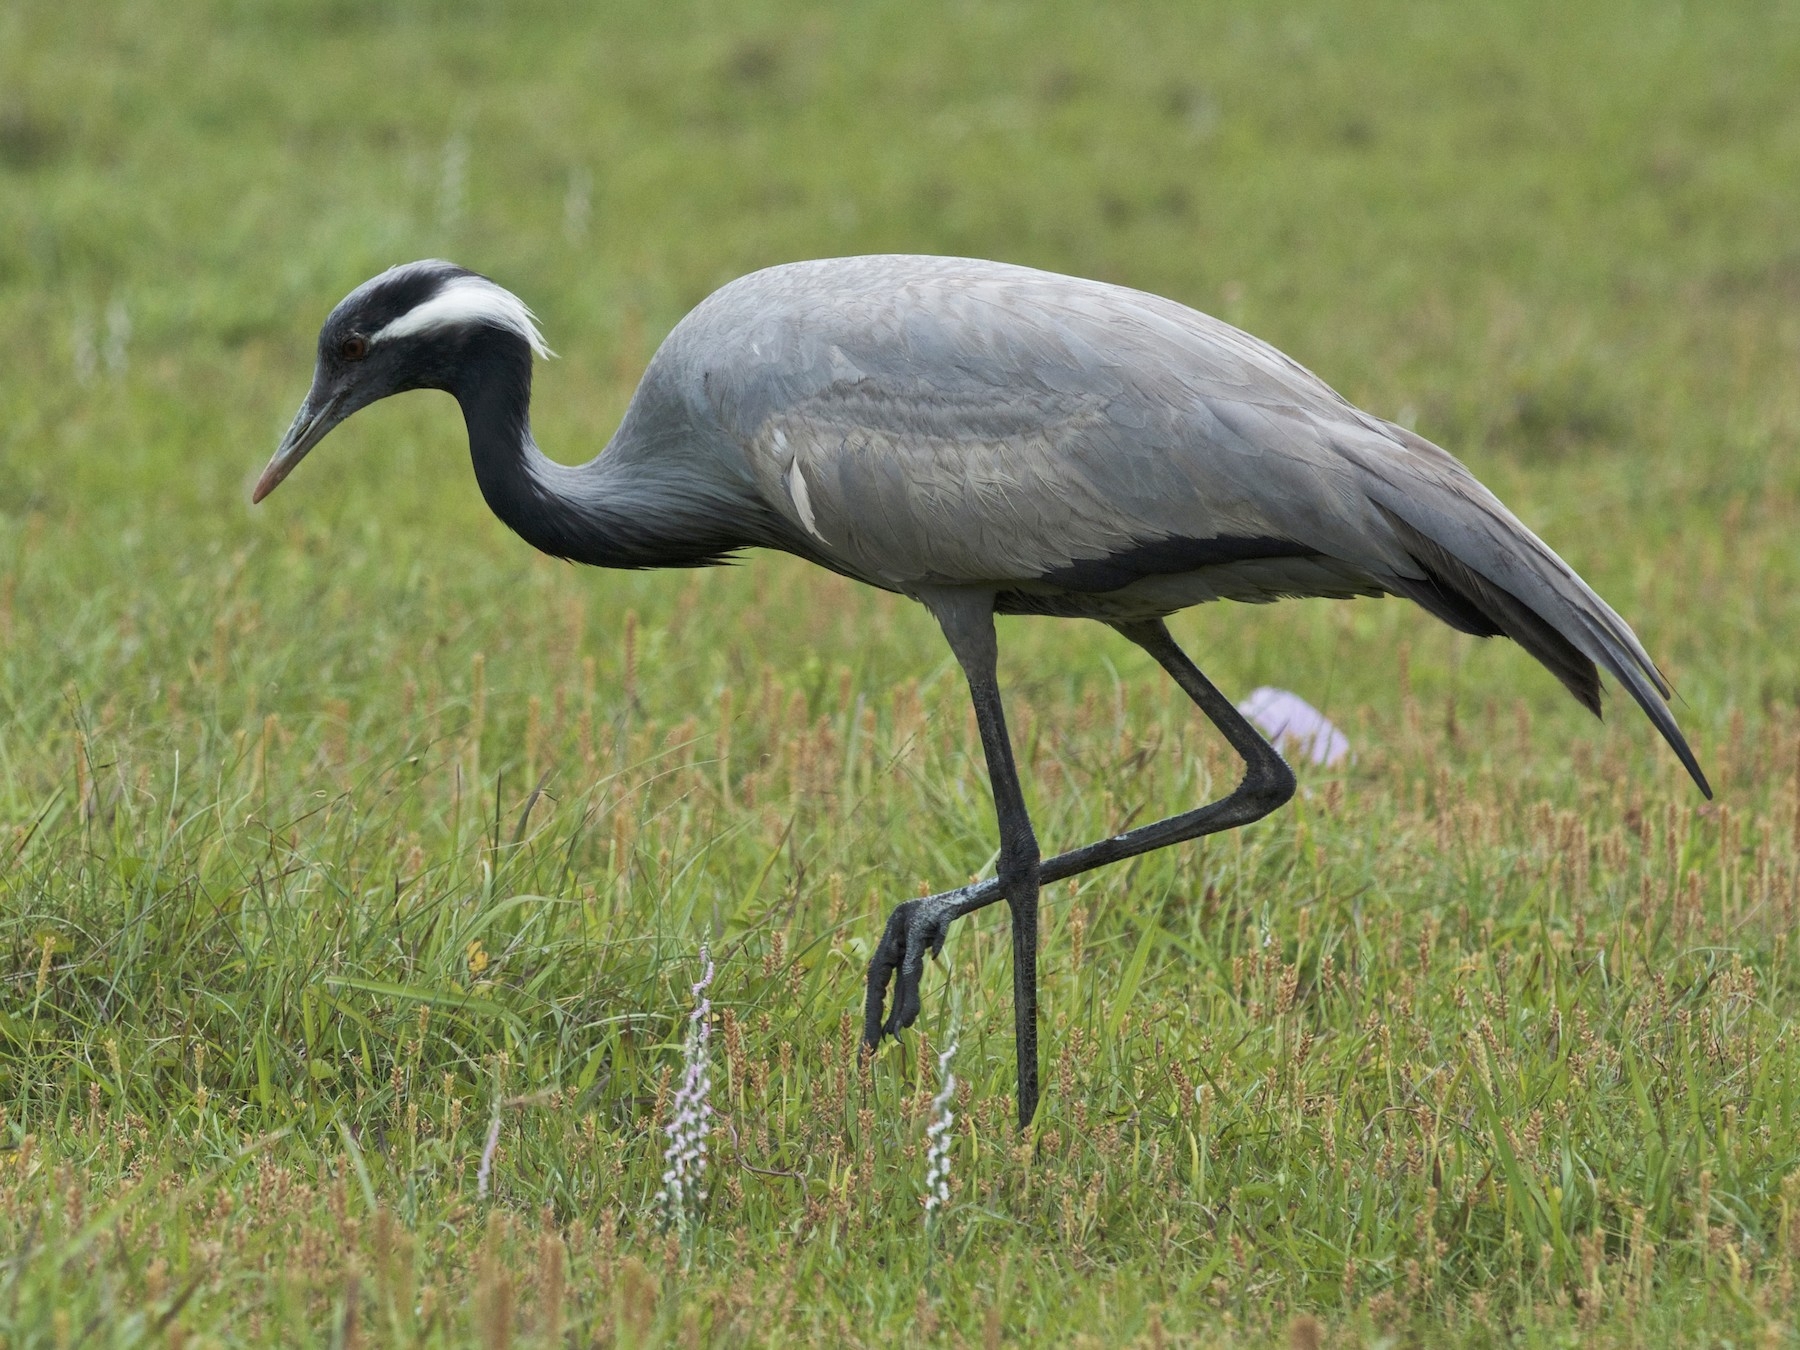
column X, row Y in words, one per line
column 906, row 992
column 914, row 930
column 889, row 954
column 926, row 930
column 906, row 1002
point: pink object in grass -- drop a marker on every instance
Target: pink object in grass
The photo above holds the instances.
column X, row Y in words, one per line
column 1286, row 718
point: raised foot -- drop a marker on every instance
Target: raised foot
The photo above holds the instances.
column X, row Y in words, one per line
column 913, row 929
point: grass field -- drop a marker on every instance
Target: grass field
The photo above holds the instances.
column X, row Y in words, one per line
column 1489, row 1038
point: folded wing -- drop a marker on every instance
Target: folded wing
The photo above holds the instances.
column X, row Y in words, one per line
column 925, row 422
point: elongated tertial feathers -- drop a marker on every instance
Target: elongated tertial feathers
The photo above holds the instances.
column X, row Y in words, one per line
column 1545, row 607
column 1466, row 600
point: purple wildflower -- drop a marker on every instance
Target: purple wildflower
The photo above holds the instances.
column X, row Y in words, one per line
column 1286, row 717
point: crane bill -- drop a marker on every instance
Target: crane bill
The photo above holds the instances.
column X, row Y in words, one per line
column 308, row 429
column 278, row 468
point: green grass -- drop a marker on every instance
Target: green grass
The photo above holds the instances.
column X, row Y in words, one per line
column 1487, row 1039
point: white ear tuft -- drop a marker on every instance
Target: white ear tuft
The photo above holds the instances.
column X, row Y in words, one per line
column 468, row 300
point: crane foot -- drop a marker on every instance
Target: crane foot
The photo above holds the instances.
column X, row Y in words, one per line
column 913, row 929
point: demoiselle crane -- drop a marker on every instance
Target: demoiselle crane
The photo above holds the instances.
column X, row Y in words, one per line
column 987, row 439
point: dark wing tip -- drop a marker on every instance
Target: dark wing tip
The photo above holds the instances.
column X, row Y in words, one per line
column 1466, row 600
column 1699, row 779
column 1470, row 603
column 1647, row 688
column 1664, row 722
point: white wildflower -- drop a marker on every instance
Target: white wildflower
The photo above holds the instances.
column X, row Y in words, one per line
column 684, row 1178
column 937, row 1151
column 484, row 1173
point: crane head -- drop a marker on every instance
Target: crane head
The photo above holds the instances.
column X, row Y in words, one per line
column 409, row 328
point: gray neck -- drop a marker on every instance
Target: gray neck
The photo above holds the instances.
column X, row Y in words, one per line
column 624, row 508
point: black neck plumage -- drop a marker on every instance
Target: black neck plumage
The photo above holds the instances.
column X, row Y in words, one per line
column 624, row 508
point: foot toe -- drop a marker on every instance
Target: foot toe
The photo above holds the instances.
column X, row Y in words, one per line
column 915, row 929
column 888, row 957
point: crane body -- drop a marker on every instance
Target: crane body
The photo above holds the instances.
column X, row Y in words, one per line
column 987, row 438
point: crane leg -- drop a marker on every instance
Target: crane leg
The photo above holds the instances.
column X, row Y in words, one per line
column 920, row 926
column 914, row 928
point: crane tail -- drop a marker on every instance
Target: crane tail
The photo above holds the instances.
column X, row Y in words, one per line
column 1468, row 602
column 1485, row 573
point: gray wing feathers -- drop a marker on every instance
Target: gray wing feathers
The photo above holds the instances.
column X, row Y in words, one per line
column 930, row 421
column 973, row 422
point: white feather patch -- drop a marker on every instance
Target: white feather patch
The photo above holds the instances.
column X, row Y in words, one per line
column 796, row 486
column 464, row 301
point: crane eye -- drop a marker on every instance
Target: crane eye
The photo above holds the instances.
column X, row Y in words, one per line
column 354, row 347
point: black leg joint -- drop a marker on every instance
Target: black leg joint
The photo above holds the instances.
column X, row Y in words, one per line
column 1270, row 785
